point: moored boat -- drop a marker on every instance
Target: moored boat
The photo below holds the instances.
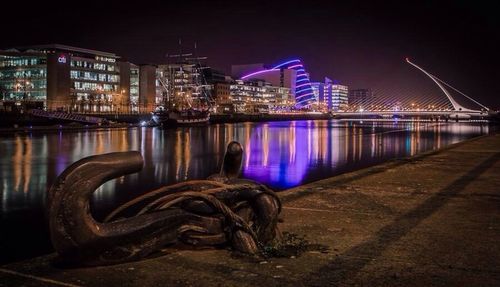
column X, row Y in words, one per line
column 180, row 118
column 184, row 92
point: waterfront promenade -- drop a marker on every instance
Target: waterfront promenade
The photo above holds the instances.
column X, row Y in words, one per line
column 429, row 220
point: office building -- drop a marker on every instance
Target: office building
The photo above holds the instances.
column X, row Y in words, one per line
column 339, row 97
column 58, row 77
column 134, row 88
column 330, row 97
column 221, row 93
column 317, row 88
column 147, row 88
column 259, row 97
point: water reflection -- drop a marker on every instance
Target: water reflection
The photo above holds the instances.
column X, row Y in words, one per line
column 287, row 154
column 280, row 154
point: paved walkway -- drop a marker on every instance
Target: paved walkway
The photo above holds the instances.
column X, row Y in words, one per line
column 432, row 220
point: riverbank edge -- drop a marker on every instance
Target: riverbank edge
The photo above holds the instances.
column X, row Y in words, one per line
column 391, row 163
column 136, row 122
column 61, row 128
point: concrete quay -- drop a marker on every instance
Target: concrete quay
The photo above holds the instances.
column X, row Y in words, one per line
column 429, row 220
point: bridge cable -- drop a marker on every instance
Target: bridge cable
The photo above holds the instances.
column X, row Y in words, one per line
column 456, row 90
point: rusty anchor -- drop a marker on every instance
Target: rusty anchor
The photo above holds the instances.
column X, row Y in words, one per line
column 221, row 210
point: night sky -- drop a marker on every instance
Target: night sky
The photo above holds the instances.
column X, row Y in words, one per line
column 362, row 45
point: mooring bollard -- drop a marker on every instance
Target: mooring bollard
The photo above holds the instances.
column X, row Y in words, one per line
column 222, row 210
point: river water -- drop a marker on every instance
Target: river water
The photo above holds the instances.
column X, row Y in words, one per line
column 279, row 154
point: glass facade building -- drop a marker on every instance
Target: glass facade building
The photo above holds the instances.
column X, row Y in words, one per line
column 95, row 84
column 134, row 88
column 339, row 96
column 64, row 78
column 330, row 97
column 259, row 97
column 23, row 79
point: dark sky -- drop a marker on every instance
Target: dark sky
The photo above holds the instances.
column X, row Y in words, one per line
column 359, row 44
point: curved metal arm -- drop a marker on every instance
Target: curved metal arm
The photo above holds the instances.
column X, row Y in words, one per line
column 68, row 203
column 454, row 103
column 80, row 239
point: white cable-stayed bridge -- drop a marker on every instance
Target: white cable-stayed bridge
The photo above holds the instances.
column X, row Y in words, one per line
column 444, row 106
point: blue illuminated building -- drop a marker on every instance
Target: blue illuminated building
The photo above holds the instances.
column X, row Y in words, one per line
column 300, row 81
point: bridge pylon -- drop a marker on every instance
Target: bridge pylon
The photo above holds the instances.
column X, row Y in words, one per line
column 455, row 104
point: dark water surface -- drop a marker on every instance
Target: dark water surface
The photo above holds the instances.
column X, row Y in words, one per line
column 279, row 154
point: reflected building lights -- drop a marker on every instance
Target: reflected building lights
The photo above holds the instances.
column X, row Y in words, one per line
column 5, row 195
column 335, row 146
column 22, row 163
column 187, row 153
column 265, row 145
column 247, row 144
column 177, row 155
column 316, row 142
column 123, row 141
column 309, row 140
column 324, row 143
column 346, row 142
column 360, row 143
column 17, row 162
column 373, row 139
column 27, row 164
column 280, row 154
column 228, row 129
column 352, row 141
column 292, row 143
column 438, row 132
column 100, row 148
column 143, row 141
column 217, row 135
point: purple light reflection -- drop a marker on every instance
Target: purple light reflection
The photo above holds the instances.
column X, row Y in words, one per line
column 275, row 155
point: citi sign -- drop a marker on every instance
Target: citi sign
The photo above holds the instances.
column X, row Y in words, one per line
column 62, row 59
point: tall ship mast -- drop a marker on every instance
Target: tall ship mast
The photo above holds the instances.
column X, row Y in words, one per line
column 185, row 99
